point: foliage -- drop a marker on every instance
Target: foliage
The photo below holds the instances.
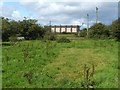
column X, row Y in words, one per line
column 88, row 77
column 57, row 65
column 115, row 28
column 50, row 36
column 5, row 29
column 83, row 32
column 27, row 28
column 64, row 32
column 13, row 38
column 31, row 30
column 63, row 40
column 99, row 30
column 46, row 64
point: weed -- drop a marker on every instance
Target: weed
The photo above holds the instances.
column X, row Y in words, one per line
column 25, row 54
column 63, row 64
column 88, row 77
column 29, row 76
column 7, row 58
column 63, row 40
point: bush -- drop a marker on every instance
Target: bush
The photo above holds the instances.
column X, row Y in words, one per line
column 99, row 30
column 64, row 32
column 83, row 33
column 63, row 40
column 50, row 36
column 13, row 38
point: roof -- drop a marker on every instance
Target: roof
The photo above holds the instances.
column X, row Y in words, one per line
column 63, row 26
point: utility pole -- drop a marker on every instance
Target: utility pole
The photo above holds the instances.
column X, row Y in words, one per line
column 87, row 24
column 50, row 25
column 96, row 15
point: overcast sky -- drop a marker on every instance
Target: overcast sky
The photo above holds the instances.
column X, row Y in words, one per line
column 60, row 11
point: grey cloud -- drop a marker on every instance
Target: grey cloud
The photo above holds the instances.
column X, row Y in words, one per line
column 69, row 12
column 107, row 13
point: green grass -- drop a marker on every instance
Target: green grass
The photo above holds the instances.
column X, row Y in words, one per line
column 0, row 64
column 56, row 65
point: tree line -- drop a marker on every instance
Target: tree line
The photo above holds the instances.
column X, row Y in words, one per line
column 102, row 31
column 27, row 28
column 31, row 30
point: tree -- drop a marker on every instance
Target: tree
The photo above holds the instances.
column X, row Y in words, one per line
column 25, row 25
column 99, row 30
column 14, row 26
column 5, row 29
column 27, row 28
column 115, row 29
column 36, row 32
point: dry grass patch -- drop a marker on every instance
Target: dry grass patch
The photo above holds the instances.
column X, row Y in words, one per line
column 71, row 61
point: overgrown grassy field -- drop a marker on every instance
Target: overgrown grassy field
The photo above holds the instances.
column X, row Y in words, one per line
column 48, row 64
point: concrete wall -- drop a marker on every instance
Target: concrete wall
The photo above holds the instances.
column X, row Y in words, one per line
column 52, row 29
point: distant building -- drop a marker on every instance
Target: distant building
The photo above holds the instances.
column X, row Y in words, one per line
column 64, row 28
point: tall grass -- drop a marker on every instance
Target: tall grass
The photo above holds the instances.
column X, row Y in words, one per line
column 46, row 64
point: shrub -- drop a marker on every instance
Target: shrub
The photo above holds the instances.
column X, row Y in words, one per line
column 99, row 30
column 64, row 32
column 63, row 40
column 50, row 36
column 13, row 38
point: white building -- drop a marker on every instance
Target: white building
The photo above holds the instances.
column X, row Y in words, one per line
column 65, row 28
